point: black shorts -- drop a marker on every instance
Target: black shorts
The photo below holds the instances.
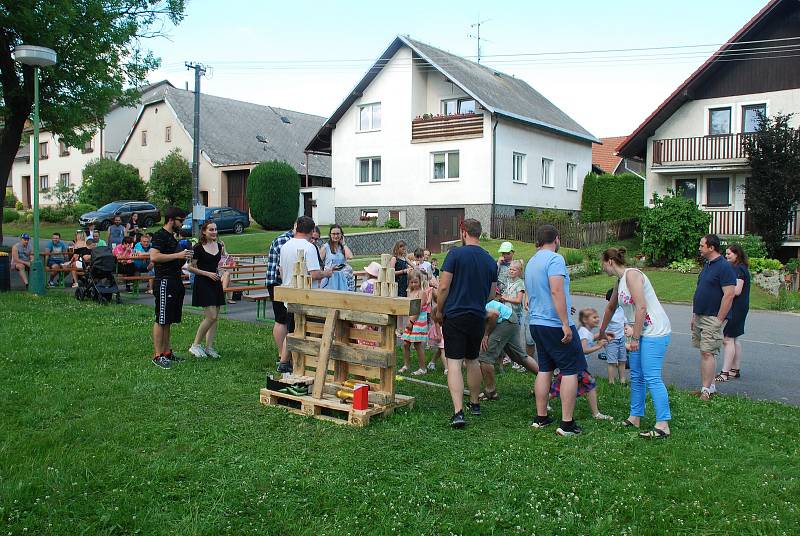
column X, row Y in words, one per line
column 278, row 307
column 462, row 336
column 169, row 300
column 568, row 358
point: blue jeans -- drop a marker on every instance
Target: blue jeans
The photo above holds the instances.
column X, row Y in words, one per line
column 646, row 367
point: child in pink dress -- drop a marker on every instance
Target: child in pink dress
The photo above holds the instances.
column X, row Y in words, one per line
column 416, row 329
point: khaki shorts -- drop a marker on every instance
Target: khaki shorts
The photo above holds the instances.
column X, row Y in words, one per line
column 707, row 334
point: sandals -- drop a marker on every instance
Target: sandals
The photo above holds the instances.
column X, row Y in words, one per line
column 723, row 376
column 628, row 424
column 602, row 417
column 403, row 370
column 419, row 372
column 488, row 395
column 655, row 433
column 734, row 373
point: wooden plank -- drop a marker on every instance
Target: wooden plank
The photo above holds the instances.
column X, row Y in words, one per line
column 325, row 352
column 361, row 355
column 376, row 319
column 342, row 299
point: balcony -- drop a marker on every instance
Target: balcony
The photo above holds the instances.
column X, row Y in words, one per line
column 702, row 149
column 736, row 223
column 446, row 127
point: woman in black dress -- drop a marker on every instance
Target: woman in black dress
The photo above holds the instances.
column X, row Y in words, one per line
column 207, row 290
column 401, row 267
column 732, row 348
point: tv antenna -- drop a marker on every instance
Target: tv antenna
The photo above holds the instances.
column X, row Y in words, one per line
column 477, row 35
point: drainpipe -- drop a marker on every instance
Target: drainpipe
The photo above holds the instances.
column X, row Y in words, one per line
column 494, row 171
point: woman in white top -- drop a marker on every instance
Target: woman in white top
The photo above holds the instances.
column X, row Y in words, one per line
column 651, row 331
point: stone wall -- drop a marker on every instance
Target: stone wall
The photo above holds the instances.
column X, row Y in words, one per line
column 769, row 280
column 377, row 242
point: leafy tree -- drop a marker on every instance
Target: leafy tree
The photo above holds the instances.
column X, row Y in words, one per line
column 171, row 182
column 672, row 228
column 107, row 180
column 100, row 54
column 273, row 192
column 773, row 191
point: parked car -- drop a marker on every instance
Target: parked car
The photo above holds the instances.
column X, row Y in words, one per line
column 226, row 218
column 103, row 217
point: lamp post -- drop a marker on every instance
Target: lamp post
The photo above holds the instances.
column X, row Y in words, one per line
column 35, row 57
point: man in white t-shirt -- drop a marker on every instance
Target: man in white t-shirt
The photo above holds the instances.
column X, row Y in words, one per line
column 300, row 242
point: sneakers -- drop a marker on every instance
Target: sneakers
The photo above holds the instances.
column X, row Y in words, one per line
column 51, row 283
column 518, row 367
column 419, row 372
column 174, row 358
column 541, row 422
column 213, row 354
column 601, row 417
column 431, row 366
column 705, row 394
column 475, row 409
column 567, row 432
column 285, row 367
column 162, row 361
column 457, row 421
column 197, row 351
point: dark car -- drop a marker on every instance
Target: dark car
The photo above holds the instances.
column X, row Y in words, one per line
column 227, row 219
column 103, row 217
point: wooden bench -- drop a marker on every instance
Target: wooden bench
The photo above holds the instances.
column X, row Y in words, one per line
column 260, row 300
column 135, row 280
column 62, row 274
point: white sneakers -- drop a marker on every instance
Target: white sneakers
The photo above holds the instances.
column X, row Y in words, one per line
column 210, row 352
column 198, row 351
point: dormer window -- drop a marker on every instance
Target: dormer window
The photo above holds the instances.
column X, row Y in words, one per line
column 458, row 106
column 369, row 117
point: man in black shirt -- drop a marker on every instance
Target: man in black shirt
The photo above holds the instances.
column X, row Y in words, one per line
column 168, row 260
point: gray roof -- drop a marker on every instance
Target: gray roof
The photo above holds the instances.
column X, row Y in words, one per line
column 228, row 130
column 497, row 92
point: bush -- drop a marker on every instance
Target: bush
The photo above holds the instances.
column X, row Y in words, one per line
column 572, row 257
column 787, row 301
column 759, row 264
column 392, row 224
column 18, row 205
column 10, row 215
column 753, row 245
column 547, row 215
column 55, row 215
column 683, row 266
column 11, row 199
column 792, row 265
column 611, row 197
column 106, row 180
column 672, row 228
column 171, row 182
column 273, row 192
column 81, row 208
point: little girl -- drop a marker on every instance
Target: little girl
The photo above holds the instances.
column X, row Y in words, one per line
column 514, row 296
column 416, row 331
column 588, row 319
column 616, row 355
column 435, row 336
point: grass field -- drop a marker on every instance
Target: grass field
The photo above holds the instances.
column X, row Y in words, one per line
column 96, row 440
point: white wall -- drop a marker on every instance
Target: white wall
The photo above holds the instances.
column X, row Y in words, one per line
column 536, row 144
column 323, row 213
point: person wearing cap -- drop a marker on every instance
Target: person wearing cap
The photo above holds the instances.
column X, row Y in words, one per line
column 506, row 251
column 21, row 257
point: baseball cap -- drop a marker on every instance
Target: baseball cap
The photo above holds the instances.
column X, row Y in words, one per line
column 25, row 236
column 506, row 247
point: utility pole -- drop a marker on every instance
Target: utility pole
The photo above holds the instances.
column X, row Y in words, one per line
column 477, row 25
column 198, row 210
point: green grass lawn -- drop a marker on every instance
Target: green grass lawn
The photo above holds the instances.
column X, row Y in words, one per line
column 96, row 440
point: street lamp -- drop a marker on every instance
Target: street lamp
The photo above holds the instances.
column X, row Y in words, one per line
column 35, row 57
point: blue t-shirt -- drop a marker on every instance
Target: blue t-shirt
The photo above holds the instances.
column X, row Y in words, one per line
column 474, row 271
column 708, row 294
column 540, row 268
column 57, row 251
column 503, row 310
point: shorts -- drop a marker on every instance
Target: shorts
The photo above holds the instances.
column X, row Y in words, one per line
column 278, row 307
column 505, row 337
column 52, row 262
column 169, row 295
column 462, row 336
column 553, row 355
column 586, row 383
column 615, row 351
column 707, row 334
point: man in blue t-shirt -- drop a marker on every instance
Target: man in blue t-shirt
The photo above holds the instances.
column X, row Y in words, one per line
column 466, row 284
column 557, row 340
column 711, row 308
column 56, row 256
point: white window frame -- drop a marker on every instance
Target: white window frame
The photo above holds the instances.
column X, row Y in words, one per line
column 574, row 186
column 370, row 179
column 519, row 168
column 446, row 166
column 547, row 178
column 372, row 127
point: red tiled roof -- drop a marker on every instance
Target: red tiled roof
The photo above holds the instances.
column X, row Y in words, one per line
column 604, row 156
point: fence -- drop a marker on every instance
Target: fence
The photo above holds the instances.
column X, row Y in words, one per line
column 573, row 234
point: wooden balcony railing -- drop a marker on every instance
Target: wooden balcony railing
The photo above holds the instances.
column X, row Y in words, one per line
column 446, row 127
column 699, row 149
column 737, row 223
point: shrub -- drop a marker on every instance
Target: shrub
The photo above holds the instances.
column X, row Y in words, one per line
column 572, row 257
column 759, row 264
column 18, row 205
column 683, row 266
column 54, row 214
column 81, row 208
column 392, row 224
column 787, row 301
column 10, row 215
column 106, row 180
column 672, row 228
column 171, row 182
column 753, row 245
column 273, row 192
column 11, row 199
column 592, row 267
column 547, row 215
column 793, row 264
column 611, row 197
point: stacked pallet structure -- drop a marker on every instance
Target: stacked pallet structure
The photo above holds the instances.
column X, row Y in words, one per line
column 386, row 285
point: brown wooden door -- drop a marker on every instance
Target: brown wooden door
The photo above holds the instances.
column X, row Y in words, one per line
column 441, row 225
column 237, row 190
column 308, row 207
column 26, row 192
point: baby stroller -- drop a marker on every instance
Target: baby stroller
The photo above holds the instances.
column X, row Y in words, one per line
column 98, row 281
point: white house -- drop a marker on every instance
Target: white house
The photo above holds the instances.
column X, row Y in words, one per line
column 59, row 163
column 431, row 138
column 693, row 142
column 235, row 136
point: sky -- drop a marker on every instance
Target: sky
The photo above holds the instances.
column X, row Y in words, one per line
column 307, row 55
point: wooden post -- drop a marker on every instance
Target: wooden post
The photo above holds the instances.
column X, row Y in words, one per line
column 325, row 352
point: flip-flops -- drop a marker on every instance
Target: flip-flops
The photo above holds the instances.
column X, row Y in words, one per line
column 655, row 433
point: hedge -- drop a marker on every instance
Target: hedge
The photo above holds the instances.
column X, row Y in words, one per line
column 609, row 197
column 273, row 193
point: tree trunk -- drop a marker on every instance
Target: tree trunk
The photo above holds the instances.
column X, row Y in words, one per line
column 10, row 135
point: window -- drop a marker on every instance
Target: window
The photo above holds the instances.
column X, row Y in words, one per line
column 445, row 165
column 572, row 184
column 718, row 192
column 547, row 173
column 88, row 147
column 458, row 106
column 369, row 117
column 63, row 149
column 369, row 170
column 63, row 179
column 519, row 173
column 43, row 150
column 44, row 183
column 167, row 134
column 144, row 138
column 719, row 121
column 750, row 117
column 369, row 214
column 687, row 188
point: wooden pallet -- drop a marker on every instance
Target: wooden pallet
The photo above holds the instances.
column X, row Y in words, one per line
column 330, row 408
